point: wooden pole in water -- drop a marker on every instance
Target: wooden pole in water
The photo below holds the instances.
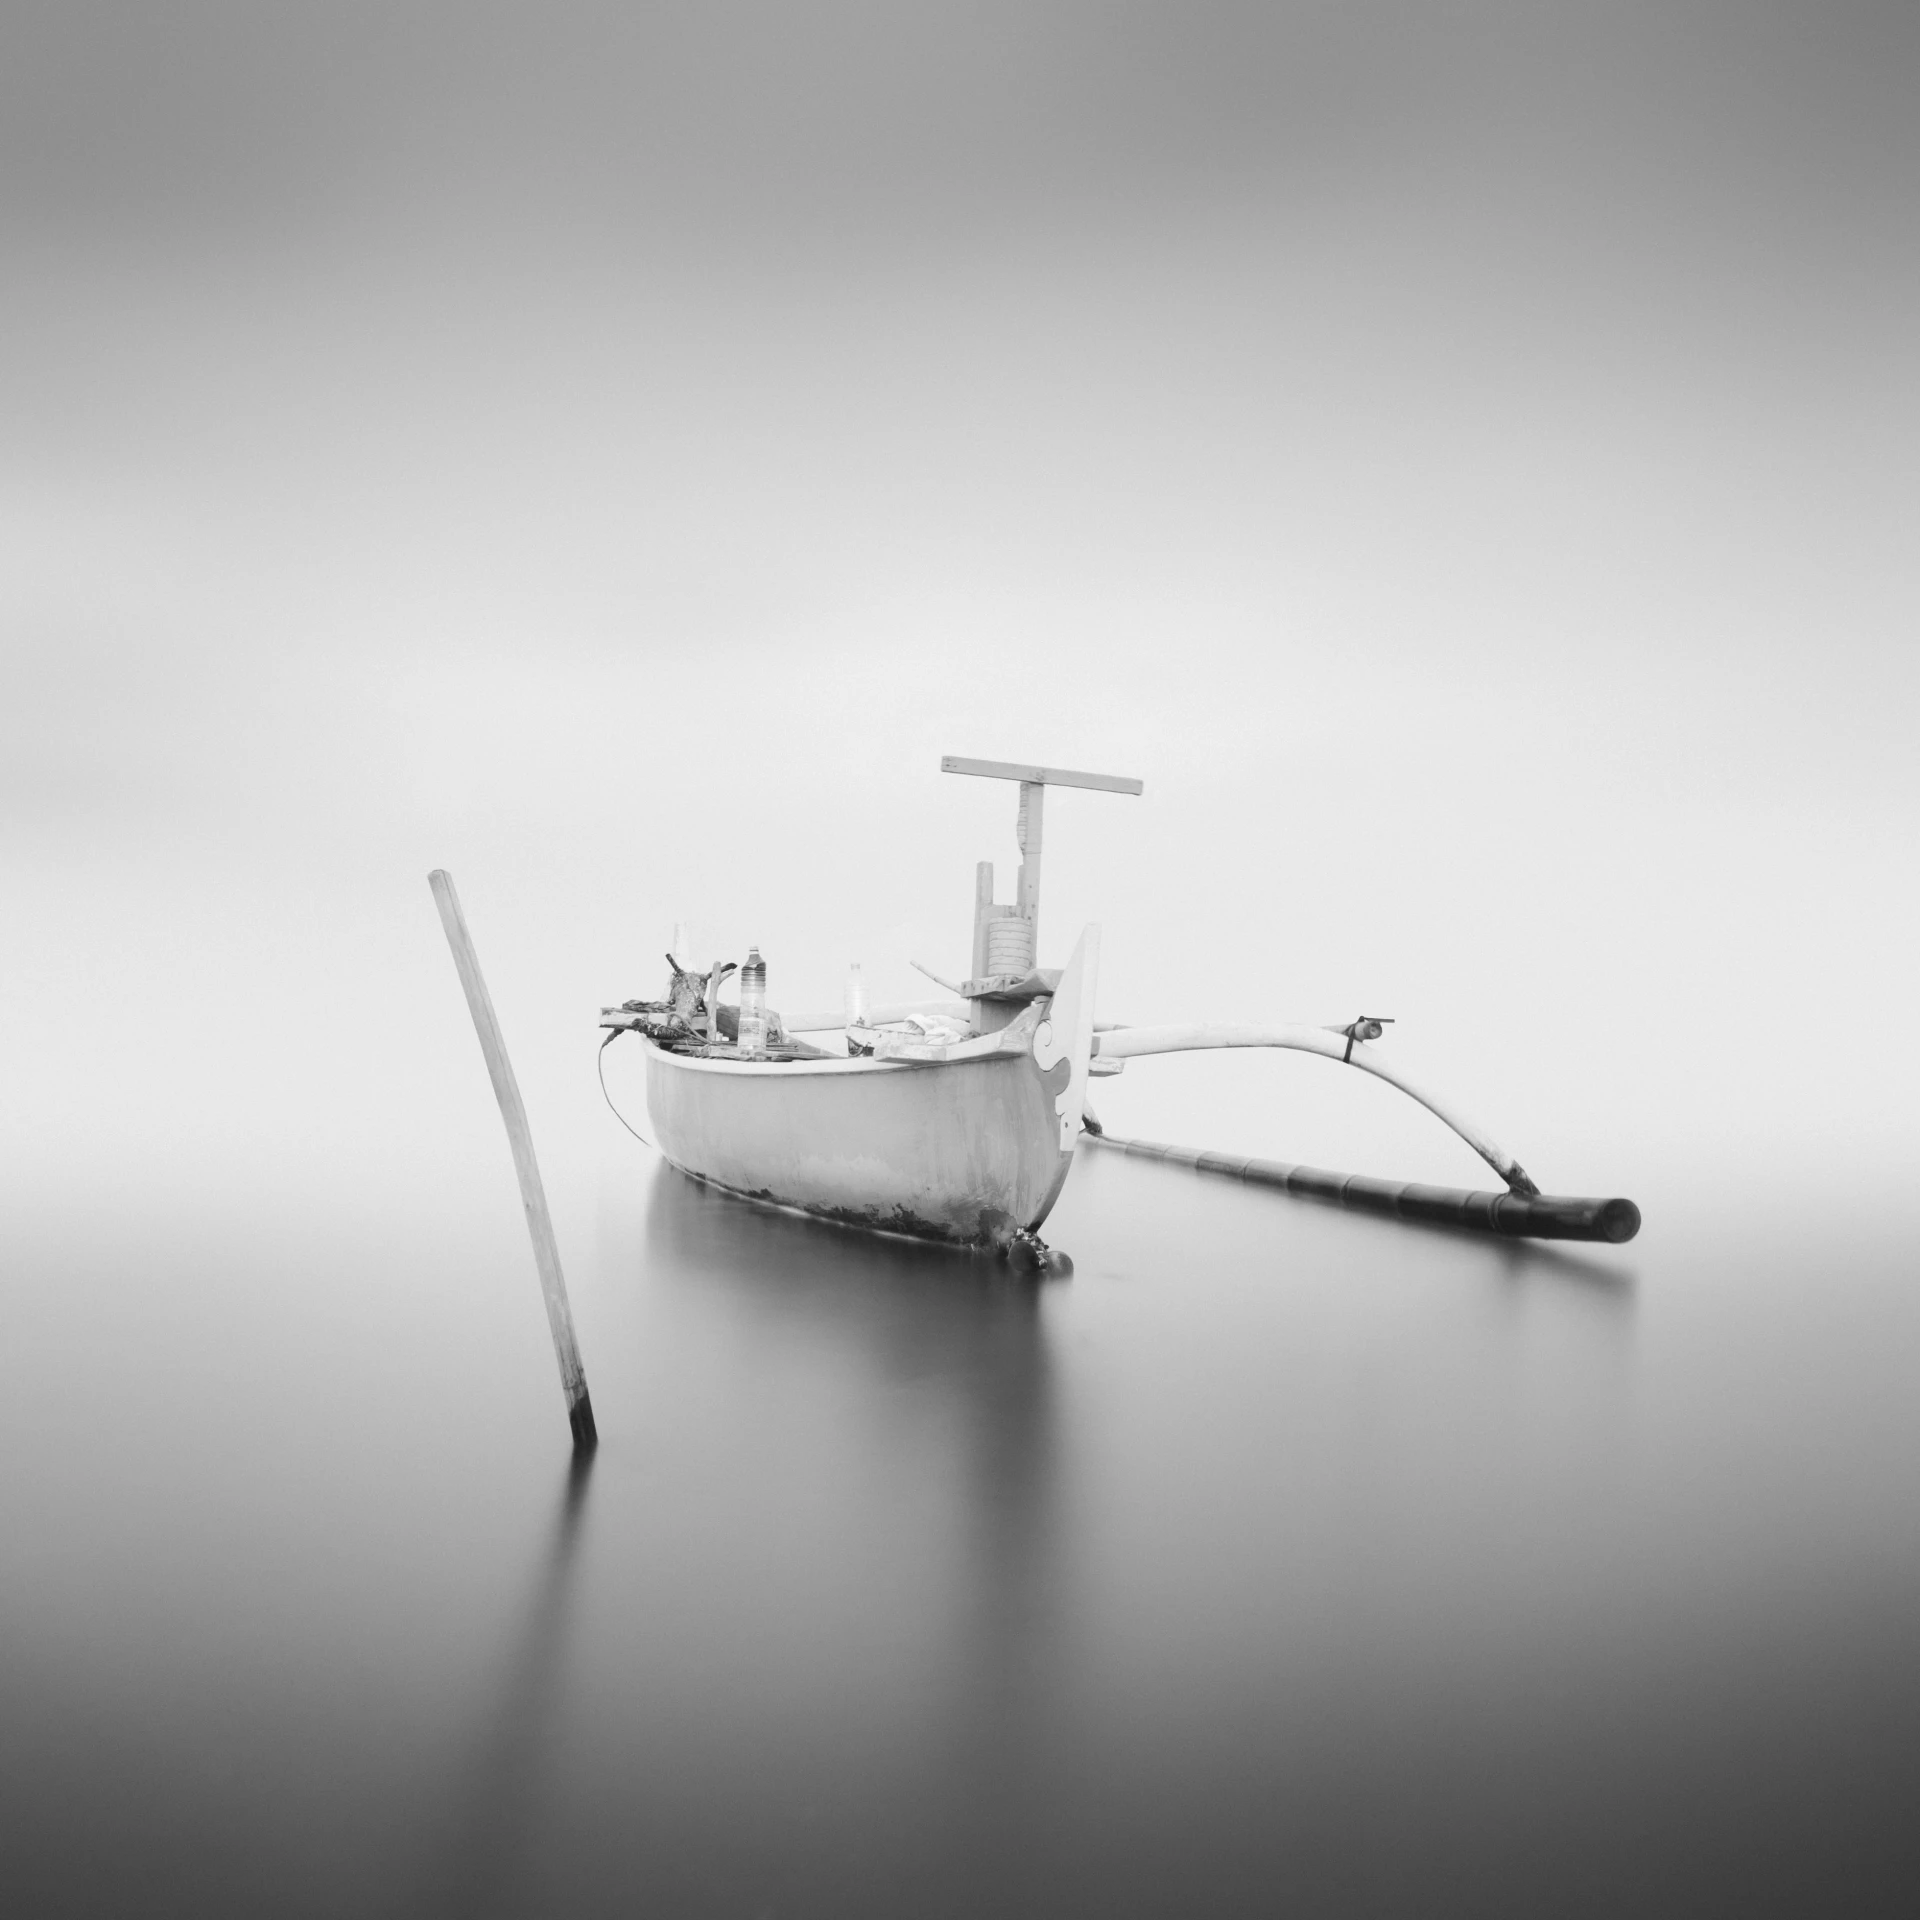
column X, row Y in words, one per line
column 533, row 1196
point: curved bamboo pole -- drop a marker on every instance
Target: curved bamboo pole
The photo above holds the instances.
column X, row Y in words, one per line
column 1331, row 1043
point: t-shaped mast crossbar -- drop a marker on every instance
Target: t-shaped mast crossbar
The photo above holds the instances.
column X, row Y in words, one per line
column 1034, row 782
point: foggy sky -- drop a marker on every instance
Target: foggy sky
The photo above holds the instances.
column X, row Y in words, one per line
column 1461, row 457
column 899, row 124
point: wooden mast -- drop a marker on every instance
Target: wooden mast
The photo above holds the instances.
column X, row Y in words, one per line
column 1025, row 906
column 1033, row 795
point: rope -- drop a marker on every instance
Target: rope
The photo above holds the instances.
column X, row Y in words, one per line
column 1009, row 945
column 600, row 1061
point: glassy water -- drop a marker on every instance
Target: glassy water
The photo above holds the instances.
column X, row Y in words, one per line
column 1278, row 1560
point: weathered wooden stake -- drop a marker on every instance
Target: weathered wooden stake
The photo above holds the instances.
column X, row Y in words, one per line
column 533, row 1196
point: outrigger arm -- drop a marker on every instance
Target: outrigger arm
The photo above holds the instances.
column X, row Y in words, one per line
column 1344, row 1044
column 1523, row 1210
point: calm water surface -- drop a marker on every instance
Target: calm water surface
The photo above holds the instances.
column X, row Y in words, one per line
column 1276, row 1561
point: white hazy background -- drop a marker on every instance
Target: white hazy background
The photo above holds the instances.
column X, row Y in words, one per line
column 1463, row 458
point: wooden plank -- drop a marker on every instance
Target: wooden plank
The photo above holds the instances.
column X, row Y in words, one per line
column 533, row 1194
column 1040, row 776
column 982, row 908
column 1030, row 986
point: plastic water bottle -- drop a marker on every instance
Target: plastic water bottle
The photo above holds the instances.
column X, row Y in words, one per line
column 753, row 1003
column 856, row 996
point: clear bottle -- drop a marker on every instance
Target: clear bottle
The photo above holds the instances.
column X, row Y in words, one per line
column 753, row 1003
column 856, row 996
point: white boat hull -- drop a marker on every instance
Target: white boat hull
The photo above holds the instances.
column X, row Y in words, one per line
column 966, row 1151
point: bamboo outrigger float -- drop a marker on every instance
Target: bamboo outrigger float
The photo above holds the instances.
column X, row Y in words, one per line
column 958, row 1121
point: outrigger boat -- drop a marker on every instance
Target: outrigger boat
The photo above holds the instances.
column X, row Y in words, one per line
column 958, row 1121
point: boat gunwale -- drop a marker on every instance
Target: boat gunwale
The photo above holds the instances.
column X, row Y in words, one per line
column 836, row 1064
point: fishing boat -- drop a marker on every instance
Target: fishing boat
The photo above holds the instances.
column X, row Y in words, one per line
column 958, row 1120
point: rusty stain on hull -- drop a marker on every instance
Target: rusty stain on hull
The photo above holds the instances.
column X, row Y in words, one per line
column 900, row 1224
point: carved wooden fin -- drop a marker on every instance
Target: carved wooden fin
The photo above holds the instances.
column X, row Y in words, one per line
column 1065, row 1036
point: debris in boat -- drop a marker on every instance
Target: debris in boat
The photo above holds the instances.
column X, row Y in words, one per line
column 710, row 997
column 686, row 999
column 690, row 1019
column 904, row 1039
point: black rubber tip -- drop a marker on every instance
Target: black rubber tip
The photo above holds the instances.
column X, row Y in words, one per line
column 1619, row 1221
column 1558, row 1216
column 586, row 1436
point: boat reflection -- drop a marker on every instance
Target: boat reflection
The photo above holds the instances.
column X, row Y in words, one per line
column 964, row 1331
column 958, row 1342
